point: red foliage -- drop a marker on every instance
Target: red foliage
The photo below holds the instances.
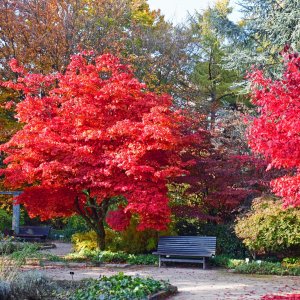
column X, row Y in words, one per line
column 224, row 182
column 275, row 132
column 118, row 219
column 281, row 297
column 95, row 128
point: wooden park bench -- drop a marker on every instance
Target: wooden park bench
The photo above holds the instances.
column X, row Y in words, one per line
column 33, row 233
column 192, row 249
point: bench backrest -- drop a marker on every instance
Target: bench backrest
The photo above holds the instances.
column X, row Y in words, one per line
column 35, row 230
column 187, row 245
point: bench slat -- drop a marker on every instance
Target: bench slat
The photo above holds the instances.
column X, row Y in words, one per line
column 182, row 260
column 33, row 232
column 186, row 246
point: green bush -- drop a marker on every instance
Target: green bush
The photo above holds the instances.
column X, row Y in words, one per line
column 268, row 228
column 130, row 241
column 113, row 257
column 132, row 259
column 5, row 220
column 291, row 262
column 27, row 250
column 142, row 259
column 73, row 224
column 8, row 245
column 13, row 247
column 287, row 267
column 226, row 261
column 118, row 287
column 227, row 241
column 267, row 268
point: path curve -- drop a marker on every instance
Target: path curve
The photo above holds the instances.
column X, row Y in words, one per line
column 192, row 283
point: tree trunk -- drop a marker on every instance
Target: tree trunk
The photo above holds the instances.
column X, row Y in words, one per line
column 101, row 235
column 95, row 217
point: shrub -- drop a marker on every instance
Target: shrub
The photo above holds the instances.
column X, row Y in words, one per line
column 130, row 240
column 119, row 287
column 268, row 228
column 5, row 220
column 31, row 285
column 140, row 259
column 267, row 268
column 8, row 245
column 85, row 241
column 113, row 257
column 27, row 250
column 227, row 241
column 226, row 261
column 291, row 262
column 72, row 225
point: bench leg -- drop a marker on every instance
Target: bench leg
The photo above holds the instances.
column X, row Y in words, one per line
column 203, row 263
column 159, row 261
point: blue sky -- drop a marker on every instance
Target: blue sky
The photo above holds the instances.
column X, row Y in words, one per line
column 176, row 10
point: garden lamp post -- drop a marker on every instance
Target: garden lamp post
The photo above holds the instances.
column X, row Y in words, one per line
column 16, row 210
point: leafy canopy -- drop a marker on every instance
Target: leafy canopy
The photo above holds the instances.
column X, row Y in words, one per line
column 275, row 132
column 92, row 134
column 269, row 228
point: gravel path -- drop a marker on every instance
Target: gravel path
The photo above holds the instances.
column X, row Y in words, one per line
column 193, row 283
column 61, row 249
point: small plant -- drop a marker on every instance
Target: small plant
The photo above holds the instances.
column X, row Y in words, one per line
column 226, row 261
column 119, row 287
column 291, row 262
column 140, row 259
column 26, row 251
column 267, row 268
column 8, row 245
column 112, row 257
column 13, row 256
column 31, row 285
column 5, row 220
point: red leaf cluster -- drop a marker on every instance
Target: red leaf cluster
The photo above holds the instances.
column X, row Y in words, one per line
column 282, row 297
column 223, row 183
column 118, row 219
column 96, row 128
column 275, row 133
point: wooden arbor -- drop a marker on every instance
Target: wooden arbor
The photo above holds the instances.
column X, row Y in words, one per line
column 16, row 210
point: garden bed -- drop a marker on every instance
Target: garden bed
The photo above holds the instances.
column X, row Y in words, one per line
column 34, row 285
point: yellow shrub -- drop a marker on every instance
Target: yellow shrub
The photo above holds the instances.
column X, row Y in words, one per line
column 129, row 241
column 84, row 241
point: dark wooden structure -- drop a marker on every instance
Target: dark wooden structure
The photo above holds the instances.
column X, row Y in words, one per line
column 16, row 209
column 33, row 233
column 192, row 249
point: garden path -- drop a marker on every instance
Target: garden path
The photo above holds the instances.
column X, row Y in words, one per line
column 194, row 283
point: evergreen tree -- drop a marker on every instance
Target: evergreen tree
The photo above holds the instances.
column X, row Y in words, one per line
column 213, row 83
column 267, row 27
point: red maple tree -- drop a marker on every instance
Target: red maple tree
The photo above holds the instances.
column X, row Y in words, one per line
column 275, row 133
column 97, row 143
column 223, row 185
